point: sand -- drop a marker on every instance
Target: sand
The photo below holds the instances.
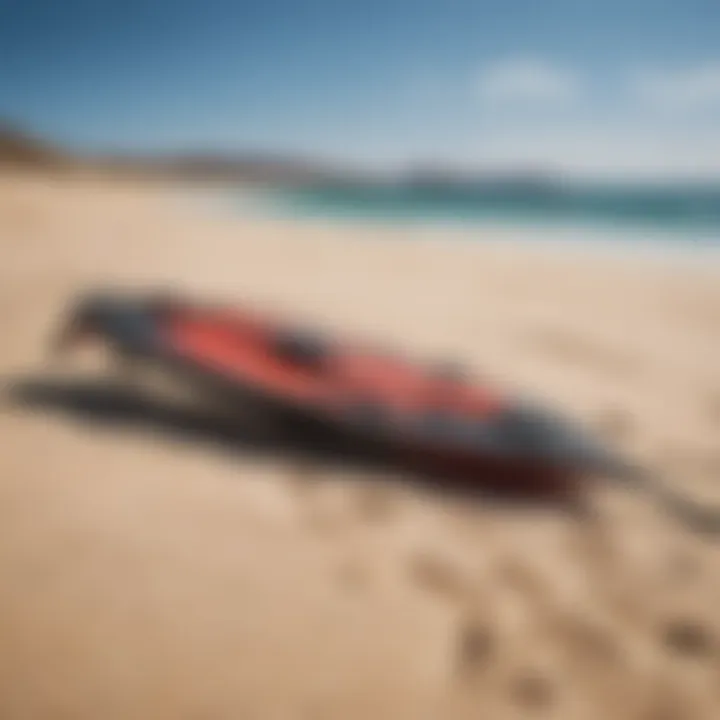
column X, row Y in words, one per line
column 146, row 577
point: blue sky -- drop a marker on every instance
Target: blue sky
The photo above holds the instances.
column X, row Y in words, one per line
column 593, row 86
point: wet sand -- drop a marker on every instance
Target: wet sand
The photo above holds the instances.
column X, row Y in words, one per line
column 146, row 577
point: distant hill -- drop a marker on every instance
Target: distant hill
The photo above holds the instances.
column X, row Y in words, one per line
column 18, row 148
column 21, row 149
column 252, row 168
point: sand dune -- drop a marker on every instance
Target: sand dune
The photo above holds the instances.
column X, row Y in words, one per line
column 144, row 577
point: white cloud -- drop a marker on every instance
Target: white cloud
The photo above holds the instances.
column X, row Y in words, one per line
column 683, row 89
column 526, row 79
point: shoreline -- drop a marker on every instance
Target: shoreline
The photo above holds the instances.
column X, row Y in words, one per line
column 651, row 244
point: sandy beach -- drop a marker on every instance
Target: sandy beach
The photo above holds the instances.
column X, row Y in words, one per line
column 145, row 577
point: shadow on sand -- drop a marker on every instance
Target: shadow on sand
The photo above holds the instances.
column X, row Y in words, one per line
column 292, row 439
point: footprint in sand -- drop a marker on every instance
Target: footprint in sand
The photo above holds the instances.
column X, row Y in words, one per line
column 475, row 649
column 517, row 576
column 587, row 640
column 439, row 575
column 688, row 638
column 532, row 690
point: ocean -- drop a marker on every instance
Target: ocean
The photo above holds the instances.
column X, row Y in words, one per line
column 681, row 216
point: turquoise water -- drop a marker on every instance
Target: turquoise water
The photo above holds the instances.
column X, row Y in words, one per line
column 681, row 207
column 684, row 213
